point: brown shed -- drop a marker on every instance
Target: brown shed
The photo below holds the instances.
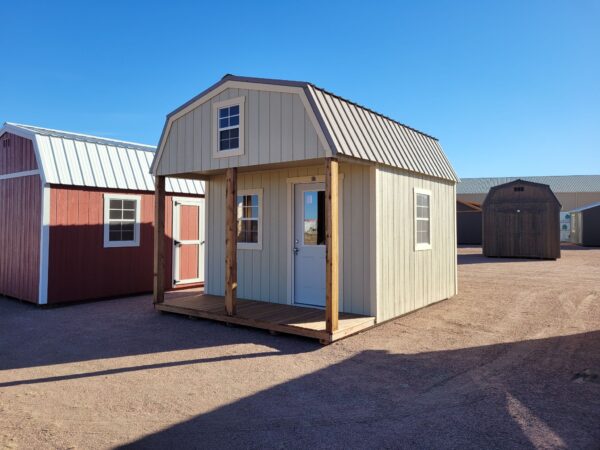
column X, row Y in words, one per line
column 521, row 220
column 468, row 223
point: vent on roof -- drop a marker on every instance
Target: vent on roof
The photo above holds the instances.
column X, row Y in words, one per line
column 519, row 189
column 5, row 143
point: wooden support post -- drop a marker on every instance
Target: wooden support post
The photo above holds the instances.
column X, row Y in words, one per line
column 231, row 241
column 159, row 239
column 332, row 281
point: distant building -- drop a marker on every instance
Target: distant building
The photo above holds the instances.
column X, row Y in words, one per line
column 572, row 191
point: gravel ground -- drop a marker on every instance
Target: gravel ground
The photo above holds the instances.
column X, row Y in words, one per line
column 511, row 362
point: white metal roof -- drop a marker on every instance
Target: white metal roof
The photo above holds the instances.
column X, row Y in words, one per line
column 584, row 207
column 74, row 159
column 558, row 184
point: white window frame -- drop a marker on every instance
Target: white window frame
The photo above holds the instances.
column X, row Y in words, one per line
column 424, row 245
column 240, row 101
column 252, row 245
column 136, row 228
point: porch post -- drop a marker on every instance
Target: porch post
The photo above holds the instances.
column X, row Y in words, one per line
column 332, row 245
column 231, row 241
column 159, row 239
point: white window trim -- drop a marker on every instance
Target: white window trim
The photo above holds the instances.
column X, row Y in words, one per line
column 252, row 245
column 215, row 116
column 422, row 246
column 136, row 241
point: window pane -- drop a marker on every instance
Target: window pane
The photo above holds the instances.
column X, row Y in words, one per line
column 233, row 121
column 223, row 123
column 234, row 143
column 115, row 214
column 224, row 144
column 114, row 236
column 422, row 212
column 116, row 204
column 127, row 235
column 223, row 112
column 234, row 132
column 234, row 110
column 129, row 204
column 129, row 215
column 423, row 200
column 224, row 134
column 314, row 218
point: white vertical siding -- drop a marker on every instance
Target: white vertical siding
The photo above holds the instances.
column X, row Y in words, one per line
column 262, row 274
column 277, row 129
column 407, row 279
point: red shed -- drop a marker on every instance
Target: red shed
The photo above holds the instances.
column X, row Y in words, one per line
column 76, row 218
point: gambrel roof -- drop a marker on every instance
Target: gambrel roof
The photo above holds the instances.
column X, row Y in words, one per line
column 558, row 183
column 350, row 130
column 73, row 159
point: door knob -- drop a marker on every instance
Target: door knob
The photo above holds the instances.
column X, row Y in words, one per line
column 296, row 250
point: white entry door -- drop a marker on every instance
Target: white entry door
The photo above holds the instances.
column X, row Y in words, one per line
column 309, row 244
column 188, row 241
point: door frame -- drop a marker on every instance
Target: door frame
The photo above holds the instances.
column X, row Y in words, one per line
column 176, row 202
column 291, row 185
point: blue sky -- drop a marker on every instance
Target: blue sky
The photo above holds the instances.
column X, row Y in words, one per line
column 509, row 87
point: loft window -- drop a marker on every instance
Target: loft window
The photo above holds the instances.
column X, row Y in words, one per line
column 228, row 134
column 519, row 189
column 229, row 128
column 249, row 220
column 422, row 219
column 121, row 220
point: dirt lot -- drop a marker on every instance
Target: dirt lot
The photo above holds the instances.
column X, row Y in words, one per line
column 508, row 363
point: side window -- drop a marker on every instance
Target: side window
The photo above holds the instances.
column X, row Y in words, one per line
column 422, row 219
column 249, row 220
column 228, row 129
column 121, row 220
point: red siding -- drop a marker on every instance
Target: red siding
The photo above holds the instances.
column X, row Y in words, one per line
column 16, row 154
column 20, row 226
column 80, row 267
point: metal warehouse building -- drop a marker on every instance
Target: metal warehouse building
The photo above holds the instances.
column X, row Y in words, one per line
column 572, row 191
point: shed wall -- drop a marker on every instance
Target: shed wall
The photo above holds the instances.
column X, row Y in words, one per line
column 80, row 268
column 20, row 226
column 521, row 223
column 277, row 129
column 408, row 279
column 263, row 274
column 16, row 154
column 590, row 235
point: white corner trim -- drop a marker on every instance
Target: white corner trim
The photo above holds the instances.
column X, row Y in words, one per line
column 44, row 246
column 422, row 246
column 241, row 101
column 25, row 173
column 136, row 241
column 257, row 245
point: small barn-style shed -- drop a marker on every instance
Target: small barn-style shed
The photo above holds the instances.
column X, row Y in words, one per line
column 323, row 217
column 521, row 220
column 585, row 225
column 76, row 218
column 469, row 224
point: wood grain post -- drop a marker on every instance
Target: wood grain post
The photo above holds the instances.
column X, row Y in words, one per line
column 231, row 241
column 332, row 281
column 159, row 240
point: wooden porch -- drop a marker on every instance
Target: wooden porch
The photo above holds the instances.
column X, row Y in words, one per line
column 327, row 325
column 298, row 320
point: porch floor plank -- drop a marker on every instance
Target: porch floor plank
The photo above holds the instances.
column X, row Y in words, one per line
column 299, row 320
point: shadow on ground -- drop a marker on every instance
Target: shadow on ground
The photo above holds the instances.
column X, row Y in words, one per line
column 514, row 395
column 116, row 328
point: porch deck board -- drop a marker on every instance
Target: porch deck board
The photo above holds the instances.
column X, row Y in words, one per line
column 298, row 320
